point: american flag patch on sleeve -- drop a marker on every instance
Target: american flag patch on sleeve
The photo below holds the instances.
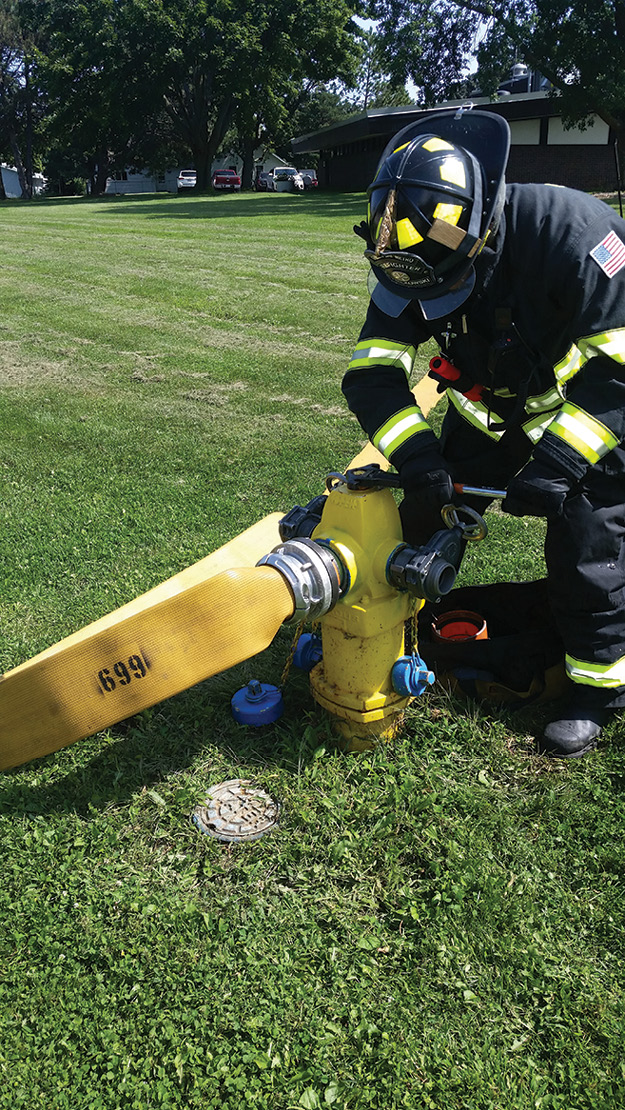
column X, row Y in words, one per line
column 610, row 254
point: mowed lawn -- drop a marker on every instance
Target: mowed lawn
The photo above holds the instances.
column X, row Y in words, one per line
column 437, row 923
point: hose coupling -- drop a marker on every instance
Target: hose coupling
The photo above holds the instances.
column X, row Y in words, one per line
column 302, row 520
column 314, row 574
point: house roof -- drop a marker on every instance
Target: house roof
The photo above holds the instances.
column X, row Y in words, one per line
column 377, row 122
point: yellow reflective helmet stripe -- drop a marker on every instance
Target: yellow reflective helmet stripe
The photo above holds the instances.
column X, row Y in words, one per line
column 583, row 433
column 398, row 428
column 450, row 213
column 452, row 170
column 473, row 412
column 606, row 675
column 435, row 143
column 610, row 343
column 382, row 352
column 407, row 234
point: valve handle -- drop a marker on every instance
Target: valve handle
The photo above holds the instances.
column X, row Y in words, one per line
column 473, row 528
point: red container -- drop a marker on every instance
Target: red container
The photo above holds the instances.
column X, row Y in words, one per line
column 459, row 625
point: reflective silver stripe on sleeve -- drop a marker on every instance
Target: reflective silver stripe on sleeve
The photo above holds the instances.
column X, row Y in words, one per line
column 398, row 428
column 569, row 366
column 610, row 343
column 382, row 352
column 589, row 437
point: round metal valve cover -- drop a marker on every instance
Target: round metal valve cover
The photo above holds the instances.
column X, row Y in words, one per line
column 236, row 811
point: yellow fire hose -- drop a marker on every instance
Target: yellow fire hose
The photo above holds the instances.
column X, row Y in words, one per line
column 198, row 623
column 215, row 614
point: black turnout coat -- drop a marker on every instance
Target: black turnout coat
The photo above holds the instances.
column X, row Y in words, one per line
column 543, row 335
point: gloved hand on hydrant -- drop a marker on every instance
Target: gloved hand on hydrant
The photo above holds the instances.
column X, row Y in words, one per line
column 427, row 487
column 537, row 490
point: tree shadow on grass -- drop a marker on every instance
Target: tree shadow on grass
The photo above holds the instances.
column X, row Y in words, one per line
column 209, row 207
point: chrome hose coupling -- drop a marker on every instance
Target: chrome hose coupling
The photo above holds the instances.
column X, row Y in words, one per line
column 313, row 572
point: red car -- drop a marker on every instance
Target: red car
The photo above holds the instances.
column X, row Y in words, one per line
column 226, row 180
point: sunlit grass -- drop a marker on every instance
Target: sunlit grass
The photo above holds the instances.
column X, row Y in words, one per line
column 437, row 923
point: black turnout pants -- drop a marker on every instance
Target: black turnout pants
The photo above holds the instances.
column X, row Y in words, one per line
column 584, row 552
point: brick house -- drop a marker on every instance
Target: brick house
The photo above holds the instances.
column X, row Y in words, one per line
column 541, row 149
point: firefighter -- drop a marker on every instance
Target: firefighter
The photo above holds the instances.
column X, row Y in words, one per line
column 523, row 289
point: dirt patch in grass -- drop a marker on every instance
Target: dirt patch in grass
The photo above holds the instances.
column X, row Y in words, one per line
column 325, row 410
column 17, row 370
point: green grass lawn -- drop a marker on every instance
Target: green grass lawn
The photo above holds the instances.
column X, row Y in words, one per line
column 437, row 923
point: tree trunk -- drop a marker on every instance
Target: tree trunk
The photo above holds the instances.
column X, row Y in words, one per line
column 221, row 125
column 29, row 130
column 202, row 162
column 19, row 165
column 247, row 173
column 102, row 171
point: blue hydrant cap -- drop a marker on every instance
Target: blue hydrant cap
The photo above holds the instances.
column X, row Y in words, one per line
column 308, row 651
column 257, row 704
column 410, row 676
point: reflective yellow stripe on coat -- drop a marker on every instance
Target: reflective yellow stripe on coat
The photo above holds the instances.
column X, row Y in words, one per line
column 398, row 428
column 474, row 412
column 583, row 432
column 610, row 343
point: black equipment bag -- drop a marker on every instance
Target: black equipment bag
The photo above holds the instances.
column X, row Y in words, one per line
column 521, row 662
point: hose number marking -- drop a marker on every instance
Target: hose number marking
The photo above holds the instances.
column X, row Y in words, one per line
column 122, row 674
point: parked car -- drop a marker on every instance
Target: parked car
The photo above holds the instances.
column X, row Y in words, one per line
column 263, row 181
column 187, row 179
column 310, row 179
column 286, row 179
column 226, row 180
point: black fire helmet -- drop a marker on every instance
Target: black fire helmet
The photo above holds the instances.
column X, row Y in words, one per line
column 437, row 192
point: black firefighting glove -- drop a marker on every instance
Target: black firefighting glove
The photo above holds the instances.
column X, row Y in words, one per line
column 427, row 487
column 537, row 490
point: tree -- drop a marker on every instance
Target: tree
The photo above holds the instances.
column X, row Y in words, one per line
column 16, row 93
column 94, row 63
column 426, row 42
column 320, row 108
column 131, row 81
column 296, row 47
column 374, row 87
column 579, row 48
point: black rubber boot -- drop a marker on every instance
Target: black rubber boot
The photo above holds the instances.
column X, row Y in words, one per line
column 574, row 733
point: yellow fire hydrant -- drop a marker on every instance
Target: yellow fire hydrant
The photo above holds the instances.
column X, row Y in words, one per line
column 363, row 635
